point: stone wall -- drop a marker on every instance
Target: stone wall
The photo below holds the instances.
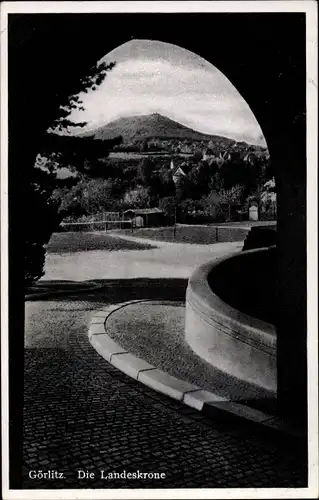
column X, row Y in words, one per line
column 231, row 340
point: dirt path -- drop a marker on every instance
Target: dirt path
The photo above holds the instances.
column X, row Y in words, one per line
column 167, row 260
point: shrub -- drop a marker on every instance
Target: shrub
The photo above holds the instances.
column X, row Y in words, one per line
column 168, row 205
column 260, row 237
column 232, row 196
column 212, row 207
column 41, row 220
column 137, row 198
column 34, row 257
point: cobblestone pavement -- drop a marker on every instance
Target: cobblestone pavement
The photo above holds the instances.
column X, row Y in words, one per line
column 82, row 413
column 154, row 332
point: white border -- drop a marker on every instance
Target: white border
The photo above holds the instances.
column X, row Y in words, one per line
column 310, row 8
column 161, row 6
column 312, row 243
column 4, row 254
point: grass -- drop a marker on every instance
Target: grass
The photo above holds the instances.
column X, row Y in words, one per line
column 200, row 235
column 70, row 242
column 245, row 223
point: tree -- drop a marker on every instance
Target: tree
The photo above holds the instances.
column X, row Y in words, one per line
column 231, row 200
column 137, row 198
column 88, row 197
column 200, row 177
column 211, row 206
column 197, row 156
column 182, row 189
column 168, row 205
column 233, row 172
column 268, row 199
column 144, row 145
column 216, row 182
column 144, row 171
column 189, row 209
column 232, row 196
column 161, row 184
column 42, row 209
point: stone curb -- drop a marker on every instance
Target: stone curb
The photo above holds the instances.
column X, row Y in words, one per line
column 189, row 394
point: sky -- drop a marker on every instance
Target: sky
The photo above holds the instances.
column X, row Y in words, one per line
column 157, row 77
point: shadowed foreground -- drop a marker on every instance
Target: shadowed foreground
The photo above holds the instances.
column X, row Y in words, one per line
column 81, row 412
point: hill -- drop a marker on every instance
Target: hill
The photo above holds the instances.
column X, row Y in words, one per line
column 140, row 128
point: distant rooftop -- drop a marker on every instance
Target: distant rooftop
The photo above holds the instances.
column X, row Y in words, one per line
column 144, row 211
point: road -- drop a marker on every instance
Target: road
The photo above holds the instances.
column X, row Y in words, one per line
column 167, row 260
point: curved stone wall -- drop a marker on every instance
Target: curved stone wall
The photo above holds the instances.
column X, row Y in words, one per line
column 229, row 339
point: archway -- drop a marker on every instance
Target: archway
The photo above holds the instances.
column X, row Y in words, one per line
column 274, row 114
column 259, row 54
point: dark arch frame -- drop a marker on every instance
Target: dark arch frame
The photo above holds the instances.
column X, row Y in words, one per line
column 263, row 55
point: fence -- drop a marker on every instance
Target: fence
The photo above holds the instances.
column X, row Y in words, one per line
column 91, row 226
column 111, row 216
column 102, row 221
column 207, row 234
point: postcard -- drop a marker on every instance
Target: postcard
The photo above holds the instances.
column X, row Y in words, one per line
column 158, row 249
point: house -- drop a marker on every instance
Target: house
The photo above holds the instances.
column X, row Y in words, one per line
column 177, row 172
column 249, row 157
column 207, row 154
column 226, row 156
column 145, row 217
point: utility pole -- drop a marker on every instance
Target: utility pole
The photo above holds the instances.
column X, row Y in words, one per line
column 175, row 219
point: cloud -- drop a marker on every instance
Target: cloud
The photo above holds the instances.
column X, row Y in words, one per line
column 197, row 94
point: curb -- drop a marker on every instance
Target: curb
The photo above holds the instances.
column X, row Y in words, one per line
column 207, row 402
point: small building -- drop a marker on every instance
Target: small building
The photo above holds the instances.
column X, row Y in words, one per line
column 145, row 217
column 249, row 157
column 225, row 155
column 177, row 172
column 207, row 154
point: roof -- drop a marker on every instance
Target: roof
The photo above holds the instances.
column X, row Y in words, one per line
column 144, row 211
column 177, row 170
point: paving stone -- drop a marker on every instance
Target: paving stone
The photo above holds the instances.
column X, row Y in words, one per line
column 162, row 382
column 197, row 399
column 102, row 313
column 84, row 413
column 98, row 320
column 129, row 364
column 239, row 410
column 105, row 346
column 279, row 424
column 96, row 329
